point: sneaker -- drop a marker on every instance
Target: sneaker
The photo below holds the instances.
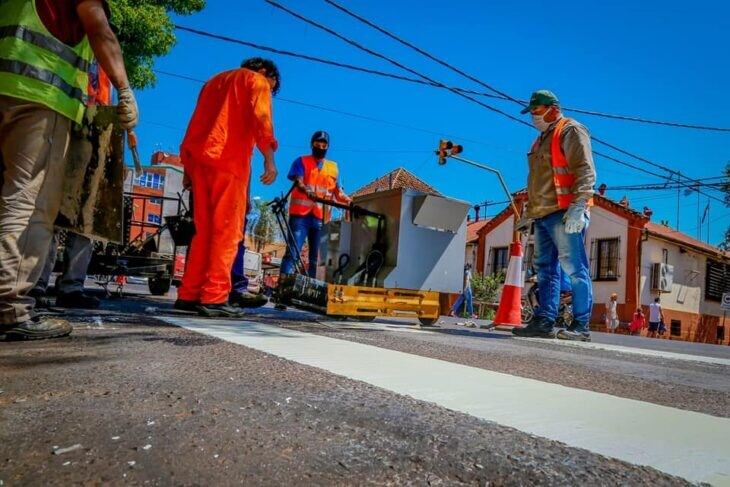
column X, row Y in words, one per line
column 581, row 336
column 185, row 305
column 537, row 327
column 247, row 300
column 77, row 299
column 221, row 310
column 37, row 328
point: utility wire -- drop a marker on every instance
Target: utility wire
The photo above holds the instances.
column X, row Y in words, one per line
column 409, row 79
column 342, row 112
column 481, row 83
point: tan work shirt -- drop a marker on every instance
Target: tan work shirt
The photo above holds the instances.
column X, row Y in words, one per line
column 576, row 143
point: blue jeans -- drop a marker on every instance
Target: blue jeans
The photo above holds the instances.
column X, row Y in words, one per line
column 239, row 280
column 465, row 296
column 555, row 249
column 303, row 227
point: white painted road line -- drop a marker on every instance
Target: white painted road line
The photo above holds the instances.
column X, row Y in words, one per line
column 688, row 444
column 364, row 325
column 632, row 350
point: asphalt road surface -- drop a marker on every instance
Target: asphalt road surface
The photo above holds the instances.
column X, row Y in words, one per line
column 139, row 394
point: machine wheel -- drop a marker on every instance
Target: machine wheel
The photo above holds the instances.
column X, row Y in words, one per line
column 159, row 286
column 366, row 319
column 527, row 311
column 427, row 321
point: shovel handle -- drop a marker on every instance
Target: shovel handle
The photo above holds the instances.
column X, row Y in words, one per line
column 132, row 141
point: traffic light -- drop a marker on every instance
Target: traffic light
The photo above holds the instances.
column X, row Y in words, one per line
column 456, row 149
column 444, row 145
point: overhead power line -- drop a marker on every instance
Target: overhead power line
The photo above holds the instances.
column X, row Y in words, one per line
column 409, row 79
column 671, row 171
column 336, row 111
column 428, row 82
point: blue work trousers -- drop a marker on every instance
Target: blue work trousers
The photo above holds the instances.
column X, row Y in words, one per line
column 554, row 248
column 464, row 297
column 303, row 228
column 239, row 280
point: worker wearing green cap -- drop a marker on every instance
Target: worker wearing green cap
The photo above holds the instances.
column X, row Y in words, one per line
column 560, row 190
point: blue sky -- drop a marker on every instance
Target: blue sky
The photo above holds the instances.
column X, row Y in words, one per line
column 657, row 59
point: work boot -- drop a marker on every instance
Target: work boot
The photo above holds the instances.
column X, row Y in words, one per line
column 77, row 299
column 575, row 332
column 37, row 328
column 41, row 299
column 185, row 305
column 537, row 327
column 221, row 310
column 247, row 300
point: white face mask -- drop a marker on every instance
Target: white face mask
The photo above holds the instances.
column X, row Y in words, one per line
column 539, row 121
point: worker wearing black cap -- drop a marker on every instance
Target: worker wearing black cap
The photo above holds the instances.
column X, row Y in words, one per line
column 313, row 176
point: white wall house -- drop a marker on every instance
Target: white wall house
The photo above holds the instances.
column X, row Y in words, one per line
column 623, row 247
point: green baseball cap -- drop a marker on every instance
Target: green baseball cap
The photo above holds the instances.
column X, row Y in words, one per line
column 541, row 97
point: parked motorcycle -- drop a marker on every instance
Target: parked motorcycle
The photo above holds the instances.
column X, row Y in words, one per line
column 530, row 301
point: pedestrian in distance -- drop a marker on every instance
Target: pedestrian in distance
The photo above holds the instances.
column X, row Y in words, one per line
column 638, row 323
column 466, row 296
column 233, row 113
column 560, row 181
column 612, row 320
column 656, row 318
column 47, row 50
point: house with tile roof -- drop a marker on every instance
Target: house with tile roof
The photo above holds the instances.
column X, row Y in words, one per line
column 395, row 179
column 638, row 260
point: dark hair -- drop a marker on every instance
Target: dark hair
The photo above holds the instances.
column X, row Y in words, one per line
column 656, row 300
column 258, row 63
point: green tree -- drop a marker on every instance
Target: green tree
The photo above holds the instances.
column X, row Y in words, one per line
column 485, row 288
column 263, row 225
column 146, row 31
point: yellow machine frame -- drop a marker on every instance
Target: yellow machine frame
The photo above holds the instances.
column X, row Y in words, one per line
column 343, row 300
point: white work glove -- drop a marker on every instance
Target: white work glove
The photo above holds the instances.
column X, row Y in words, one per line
column 523, row 224
column 127, row 109
column 575, row 218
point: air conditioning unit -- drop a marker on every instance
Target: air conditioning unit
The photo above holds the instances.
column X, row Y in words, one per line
column 662, row 277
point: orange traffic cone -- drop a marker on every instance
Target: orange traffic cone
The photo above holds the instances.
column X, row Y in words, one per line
column 509, row 313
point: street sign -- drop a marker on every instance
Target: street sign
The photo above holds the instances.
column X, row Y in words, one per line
column 725, row 301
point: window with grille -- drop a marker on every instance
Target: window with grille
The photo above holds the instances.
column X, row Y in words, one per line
column 152, row 218
column 529, row 258
column 676, row 328
column 150, row 180
column 717, row 280
column 156, row 201
column 500, row 259
column 605, row 259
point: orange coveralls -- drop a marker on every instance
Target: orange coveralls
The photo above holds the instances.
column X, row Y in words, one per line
column 233, row 113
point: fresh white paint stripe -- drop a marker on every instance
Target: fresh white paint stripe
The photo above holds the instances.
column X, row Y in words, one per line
column 632, row 350
column 364, row 325
column 684, row 443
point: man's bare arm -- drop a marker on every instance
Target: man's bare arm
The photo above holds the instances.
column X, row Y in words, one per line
column 103, row 41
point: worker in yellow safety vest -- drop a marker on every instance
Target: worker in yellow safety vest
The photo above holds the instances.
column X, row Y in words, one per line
column 46, row 49
column 560, row 190
column 313, row 177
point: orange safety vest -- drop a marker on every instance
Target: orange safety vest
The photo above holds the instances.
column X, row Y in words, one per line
column 562, row 177
column 322, row 182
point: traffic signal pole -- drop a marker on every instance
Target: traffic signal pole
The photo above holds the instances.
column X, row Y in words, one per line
column 448, row 150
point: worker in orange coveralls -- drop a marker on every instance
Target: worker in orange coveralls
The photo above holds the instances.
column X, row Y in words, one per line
column 233, row 113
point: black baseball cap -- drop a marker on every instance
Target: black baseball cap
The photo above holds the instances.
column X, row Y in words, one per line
column 320, row 135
